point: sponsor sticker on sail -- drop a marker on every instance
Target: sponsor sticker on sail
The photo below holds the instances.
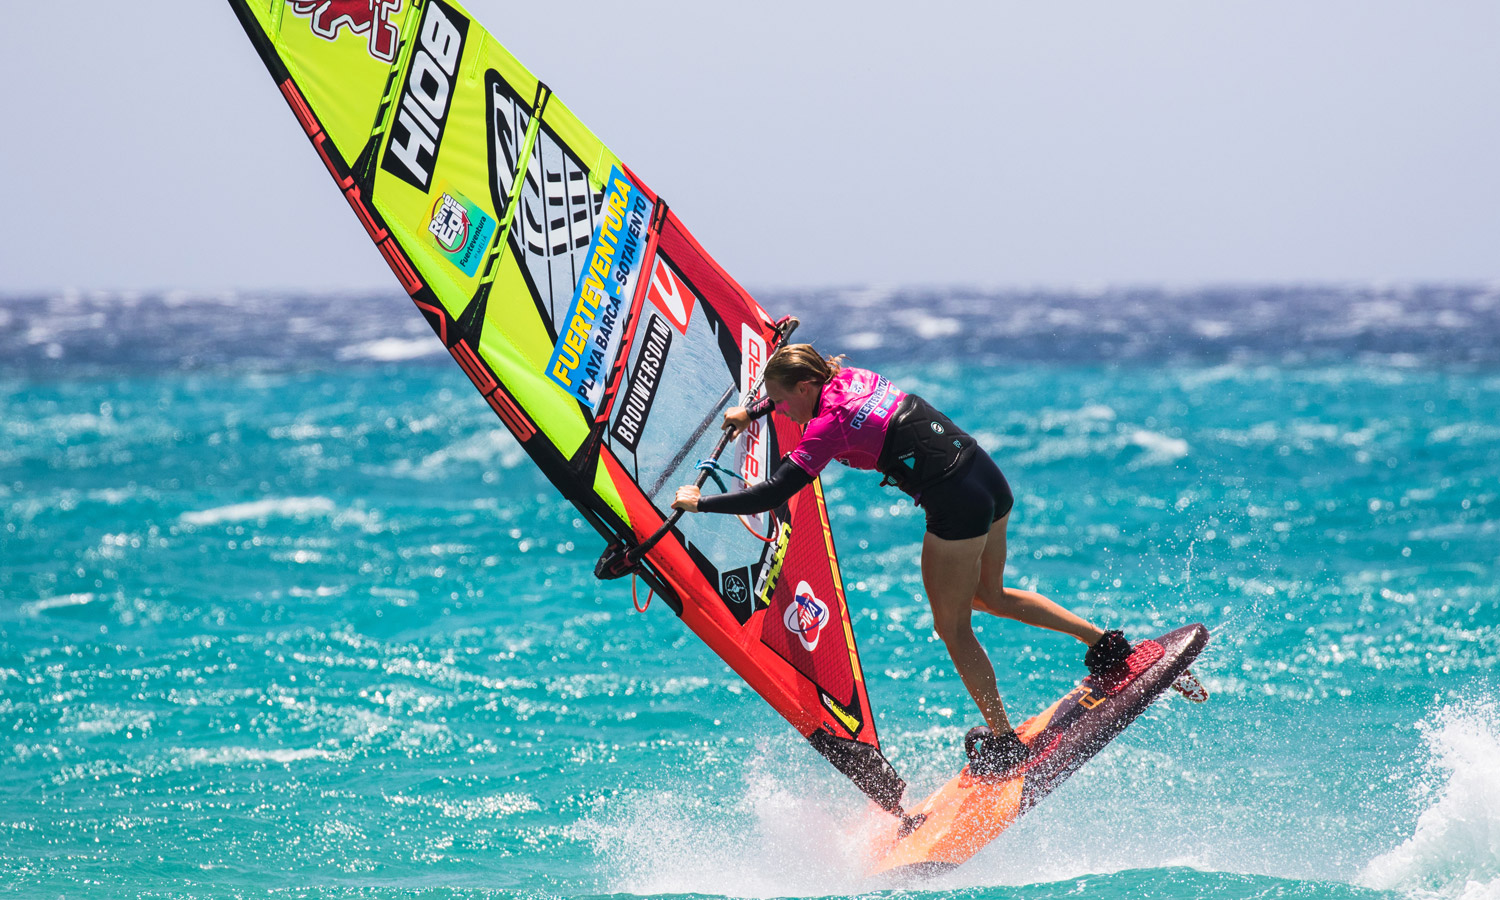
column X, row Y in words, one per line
column 805, row 616
column 460, row 230
column 589, row 336
column 753, row 356
column 645, row 378
column 370, row 18
column 671, row 295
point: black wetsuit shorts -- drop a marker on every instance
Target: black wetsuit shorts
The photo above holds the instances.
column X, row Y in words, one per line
column 965, row 504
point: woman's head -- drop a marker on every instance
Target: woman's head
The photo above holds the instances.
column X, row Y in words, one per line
column 795, row 363
column 795, row 375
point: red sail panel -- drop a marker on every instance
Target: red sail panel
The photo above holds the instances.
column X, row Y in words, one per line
column 764, row 592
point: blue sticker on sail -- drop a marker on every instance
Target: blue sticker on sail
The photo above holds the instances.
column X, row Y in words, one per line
column 589, row 337
column 461, row 230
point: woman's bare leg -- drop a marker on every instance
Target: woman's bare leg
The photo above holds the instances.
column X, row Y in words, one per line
column 950, row 573
column 993, row 597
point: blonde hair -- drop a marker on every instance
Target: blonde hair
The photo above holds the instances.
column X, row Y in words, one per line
column 795, row 363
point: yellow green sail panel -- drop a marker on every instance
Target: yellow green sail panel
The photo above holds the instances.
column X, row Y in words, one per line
column 604, row 337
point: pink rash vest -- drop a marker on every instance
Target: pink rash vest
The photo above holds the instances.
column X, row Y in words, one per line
column 854, row 410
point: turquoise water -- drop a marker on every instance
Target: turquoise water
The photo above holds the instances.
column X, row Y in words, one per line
column 321, row 630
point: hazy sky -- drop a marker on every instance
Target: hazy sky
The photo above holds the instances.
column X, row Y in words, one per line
column 815, row 143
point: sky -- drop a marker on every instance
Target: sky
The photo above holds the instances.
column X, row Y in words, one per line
column 817, row 143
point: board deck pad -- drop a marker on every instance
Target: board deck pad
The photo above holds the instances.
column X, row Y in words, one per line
column 967, row 813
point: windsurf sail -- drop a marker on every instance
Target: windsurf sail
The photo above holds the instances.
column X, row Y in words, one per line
column 600, row 332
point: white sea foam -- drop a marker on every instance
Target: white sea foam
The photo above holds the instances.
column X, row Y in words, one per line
column 280, row 507
column 101, row 719
column 1454, row 854
column 874, row 296
column 1160, row 449
column 1090, row 417
column 1466, row 434
column 77, row 424
column 392, row 349
column 229, row 756
column 863, row 340
column 484, row 808
column 113, row 496
column 928, row 326
column 811, row 832
column 1065, row 318
column 492, row 447
column 679, row 840
column 37, row 607
column 1212, row 328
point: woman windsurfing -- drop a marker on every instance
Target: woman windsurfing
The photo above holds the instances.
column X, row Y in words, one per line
column 864, row 421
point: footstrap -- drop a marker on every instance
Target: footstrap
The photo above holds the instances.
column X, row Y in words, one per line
column 1145, row 655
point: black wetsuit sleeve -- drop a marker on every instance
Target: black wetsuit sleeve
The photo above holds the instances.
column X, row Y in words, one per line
column 761, row 408
column 783, row 485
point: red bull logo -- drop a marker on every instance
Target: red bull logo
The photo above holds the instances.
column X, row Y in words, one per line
column 371, row 18
column 806, row 616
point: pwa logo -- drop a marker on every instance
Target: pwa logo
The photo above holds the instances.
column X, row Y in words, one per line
column 368, row 17
column 806, row 616
column 417, row 132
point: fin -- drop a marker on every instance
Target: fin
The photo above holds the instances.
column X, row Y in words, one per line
column 1188, row 685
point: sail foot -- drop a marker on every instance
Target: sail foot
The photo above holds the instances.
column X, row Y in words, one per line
column 864, row 765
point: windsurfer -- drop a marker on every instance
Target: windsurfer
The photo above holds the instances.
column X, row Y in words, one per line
column 864, row 421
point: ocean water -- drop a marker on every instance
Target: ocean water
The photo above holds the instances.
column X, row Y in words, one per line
column 285, row 613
